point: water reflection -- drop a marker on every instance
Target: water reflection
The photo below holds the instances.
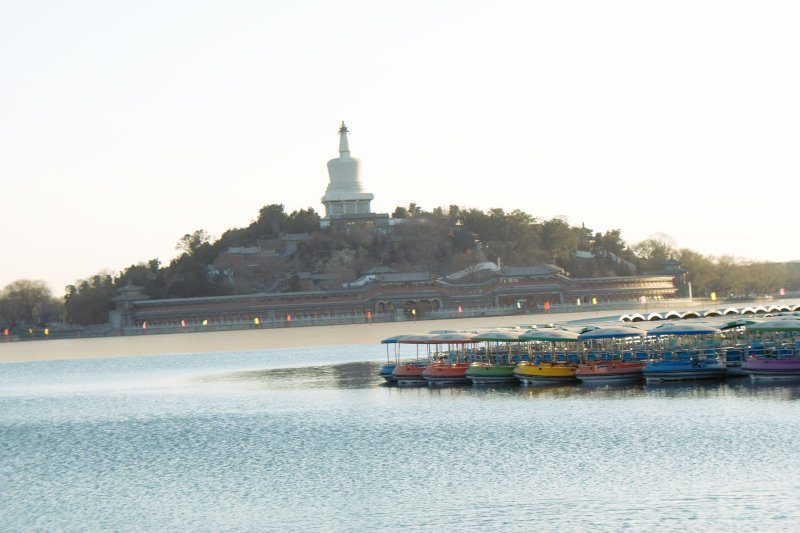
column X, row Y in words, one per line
column 344, row 376
column 364, row 375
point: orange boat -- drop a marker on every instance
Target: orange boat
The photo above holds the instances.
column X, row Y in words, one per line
column 446, row 374
column 619, row 343
column 605, row 372
column 452, row 365
column 409, row 374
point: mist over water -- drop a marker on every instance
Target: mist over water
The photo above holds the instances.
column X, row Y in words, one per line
column 310, row 439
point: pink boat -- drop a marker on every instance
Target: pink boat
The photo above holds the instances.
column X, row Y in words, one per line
column 772, row 369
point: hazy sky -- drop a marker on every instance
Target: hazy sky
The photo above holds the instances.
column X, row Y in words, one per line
column 125, row 125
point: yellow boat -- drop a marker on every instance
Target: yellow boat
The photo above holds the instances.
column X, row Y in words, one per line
column 551, row 366
column 533, row 373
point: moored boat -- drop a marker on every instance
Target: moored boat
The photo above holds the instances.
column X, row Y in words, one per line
column 610, row 372
column 769, row 369
column 451, row 353
column 780, row 360
column 387, row 370
column 551, row 367
column 695, row 367
column 545, row 372
column 446, row 374
column 690, row 360
column 496, row 368
column 491, row 373
column 616, row 341
column 409, row 373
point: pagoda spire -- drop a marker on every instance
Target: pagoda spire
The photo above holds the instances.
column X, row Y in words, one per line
column 344, row 147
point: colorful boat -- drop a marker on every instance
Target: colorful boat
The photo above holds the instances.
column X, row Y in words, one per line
column 450, row 351
column 492, row 374
column 446, row 374
column 735, row 353
column 387, row 370
column 538, row 370
column 769, row 369
column 409, row 373
column 497, row 368
column 610, row 372
column 780, row 359
column 695, row 367
column 612, row 340
column 685, row 361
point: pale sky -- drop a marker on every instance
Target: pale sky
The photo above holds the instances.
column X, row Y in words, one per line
column 125, row 125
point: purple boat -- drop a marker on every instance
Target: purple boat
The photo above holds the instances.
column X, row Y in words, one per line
column 781, row 361
column 772, row 368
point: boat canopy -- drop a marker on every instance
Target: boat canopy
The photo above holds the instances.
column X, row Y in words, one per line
column 785, row 324
column 611, row 332
column 735, row 323
column 420, row 338
column 393, row 340
column 679, row 328
column 497, row 335
column 549, row 335
column 460, row 337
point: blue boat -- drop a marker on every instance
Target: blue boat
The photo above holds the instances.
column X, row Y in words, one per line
column 386, row 371
column 686, row 363
column 693, row 367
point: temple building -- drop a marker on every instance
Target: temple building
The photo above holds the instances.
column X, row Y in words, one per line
column 345, row 200
column 382, row 294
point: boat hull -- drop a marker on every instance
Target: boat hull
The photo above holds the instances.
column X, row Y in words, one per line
column 772, row 369
column 409, row 374
column 485, row 374
column 446, row 374
column 604, row 374
column 387, row 373
column 658, row 371
column 544, row 373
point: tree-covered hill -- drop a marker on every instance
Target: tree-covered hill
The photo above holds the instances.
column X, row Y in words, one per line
column 287, row 252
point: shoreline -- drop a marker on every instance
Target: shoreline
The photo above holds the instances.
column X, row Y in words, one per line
column 277, row 338
column 262, row 339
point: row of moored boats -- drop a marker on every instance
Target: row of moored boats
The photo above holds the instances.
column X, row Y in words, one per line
column 763, row 348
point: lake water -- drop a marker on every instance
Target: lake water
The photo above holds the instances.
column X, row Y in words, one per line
column 310, row 440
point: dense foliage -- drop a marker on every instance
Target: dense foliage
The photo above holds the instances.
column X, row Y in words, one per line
column 257, row 258
column 26, row 303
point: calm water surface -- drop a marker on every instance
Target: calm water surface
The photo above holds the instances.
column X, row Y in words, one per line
column 310, row 440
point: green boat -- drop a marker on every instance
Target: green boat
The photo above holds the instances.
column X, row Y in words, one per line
column 498, row 367
column 491, row 373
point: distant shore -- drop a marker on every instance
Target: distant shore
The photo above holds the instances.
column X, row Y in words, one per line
column 261, row 339
column 273, row 338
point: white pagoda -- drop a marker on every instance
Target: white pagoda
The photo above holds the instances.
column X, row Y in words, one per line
column 345, row 198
